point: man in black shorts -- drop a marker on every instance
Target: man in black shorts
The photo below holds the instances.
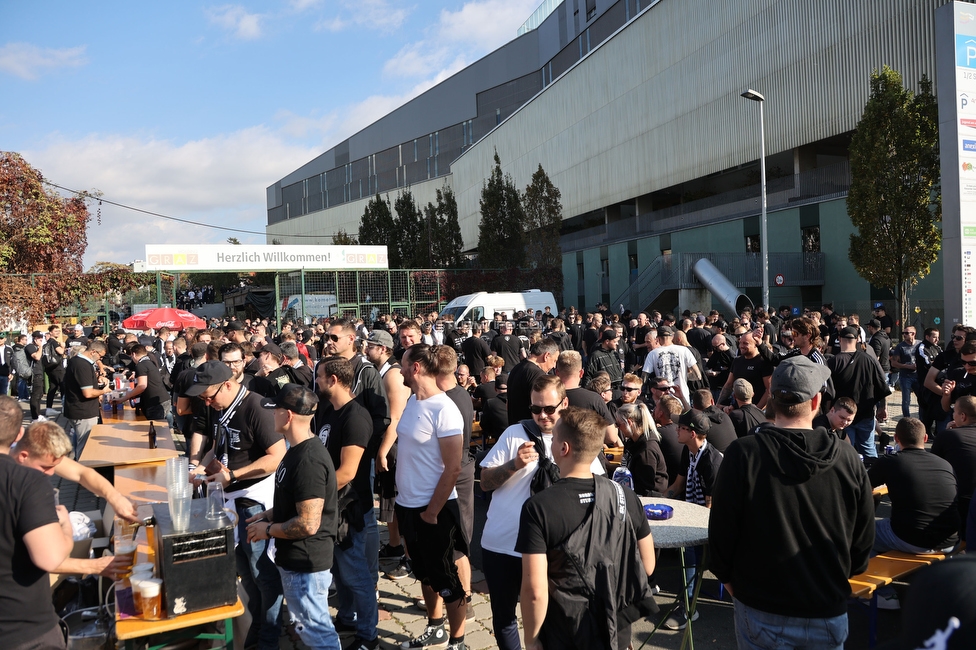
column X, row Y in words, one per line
column 430, row 437
column 559, row 521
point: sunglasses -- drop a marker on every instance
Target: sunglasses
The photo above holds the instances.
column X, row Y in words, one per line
column 971, row 364
column 333, row 337
column 629, row 389
column 958, row 338
column 550, row 410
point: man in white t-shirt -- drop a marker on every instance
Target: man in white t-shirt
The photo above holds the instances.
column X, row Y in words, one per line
column 428, row 465
column 507, row 471
column 671, row 362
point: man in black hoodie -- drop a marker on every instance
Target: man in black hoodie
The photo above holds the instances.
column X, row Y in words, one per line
column 792, row 519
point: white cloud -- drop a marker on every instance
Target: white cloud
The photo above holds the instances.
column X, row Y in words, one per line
column 485, row 24
column 29, row 61
column 460, row 37
column 302, row 5
column 235, row 18
column 219, row 180
column 381, row 15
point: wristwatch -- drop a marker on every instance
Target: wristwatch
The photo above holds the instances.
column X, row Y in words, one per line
column 232, row 477
column 268, row 530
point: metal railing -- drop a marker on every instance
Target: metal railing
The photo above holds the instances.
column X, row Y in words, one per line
column 816, row 185
column 674, row 271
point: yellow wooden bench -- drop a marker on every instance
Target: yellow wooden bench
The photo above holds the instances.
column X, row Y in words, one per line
column 882, row 570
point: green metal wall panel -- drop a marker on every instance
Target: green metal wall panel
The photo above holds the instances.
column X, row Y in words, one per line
column 619, row 269
column 841, row 281
column 591, row 279
column 718, row 238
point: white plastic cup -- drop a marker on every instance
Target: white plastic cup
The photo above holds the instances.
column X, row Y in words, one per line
column 215, row 500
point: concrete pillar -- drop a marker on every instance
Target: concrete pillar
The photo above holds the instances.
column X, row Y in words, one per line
column 694, row 300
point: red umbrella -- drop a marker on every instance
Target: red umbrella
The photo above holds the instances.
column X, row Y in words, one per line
column 175, row 319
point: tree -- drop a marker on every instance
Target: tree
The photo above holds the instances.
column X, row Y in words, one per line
column 411, row 232
column 341, row 238
column 895, row 199
column 543, row 216
column 500, row 233
column 378, row 228
column 234, row 241
column 442, row 232
column 40, row 232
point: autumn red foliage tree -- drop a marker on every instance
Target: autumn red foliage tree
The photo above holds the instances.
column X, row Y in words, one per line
column 43, row 238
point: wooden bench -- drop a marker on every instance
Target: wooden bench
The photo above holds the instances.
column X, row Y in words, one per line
column 883, row 570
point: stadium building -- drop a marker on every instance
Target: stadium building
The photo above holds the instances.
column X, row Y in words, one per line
column 634, row 109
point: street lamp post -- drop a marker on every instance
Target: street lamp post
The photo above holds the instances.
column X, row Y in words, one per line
column 757, row 97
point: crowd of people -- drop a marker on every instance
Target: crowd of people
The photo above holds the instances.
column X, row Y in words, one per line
column 771, row 420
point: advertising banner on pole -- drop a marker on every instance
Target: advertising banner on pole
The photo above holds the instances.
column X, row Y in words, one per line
column 189, row 258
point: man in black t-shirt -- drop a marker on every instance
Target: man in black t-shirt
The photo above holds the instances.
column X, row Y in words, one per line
column 83, row 386
column 922, row 489
column 153, row 397
column 33, row 352
column 508, row 346
column 35, row 538
column 557, row 521
column 957, row 444
column 541, row 359
column 960, row 380
column 345, row 428
column 246, row 450
column 752, row 367
column 304, row 500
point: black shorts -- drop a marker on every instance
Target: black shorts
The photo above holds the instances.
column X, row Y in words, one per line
column 432, row 547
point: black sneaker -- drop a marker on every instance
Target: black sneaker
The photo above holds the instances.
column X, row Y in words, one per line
column 457, row 645
column 391, row 552
column 402, row 570
column 361, row 644
column 343, row 628
column 433, row 636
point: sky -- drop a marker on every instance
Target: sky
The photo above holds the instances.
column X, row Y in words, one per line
column 191, row 110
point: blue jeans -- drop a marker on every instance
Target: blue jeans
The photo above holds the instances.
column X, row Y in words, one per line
column 355, row 589
column 308, row 603
column 908, row 383
column 4, row 384
column 23, row 390
column 862, row 436
column 260, row 579
column 372, row 530
column 885, row 540
column 759, row 630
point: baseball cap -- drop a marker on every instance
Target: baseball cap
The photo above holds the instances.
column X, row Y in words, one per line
column 234, row 326
column 875, row 323
column 608, row 335
column 3, row 335
column 272, row 348
column 501, row 381
column 797, row 380
column 37, row 335
column 294, row 398
column 849, row 333
column 208, row 374
column 665, row 330
column 379, row 337
column 699, row 319
column 695, row 421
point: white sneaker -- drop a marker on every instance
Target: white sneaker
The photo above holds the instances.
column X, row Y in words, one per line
column 41, row 418
column 51, row 413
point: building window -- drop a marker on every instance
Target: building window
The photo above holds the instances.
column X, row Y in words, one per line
column 811, row 239
column 753, row 244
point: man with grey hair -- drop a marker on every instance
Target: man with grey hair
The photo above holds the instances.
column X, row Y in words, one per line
column 746, row 416
column 293, row 359
column 83, row 385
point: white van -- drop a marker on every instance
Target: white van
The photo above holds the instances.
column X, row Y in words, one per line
column 317, row 305
column 483, row 304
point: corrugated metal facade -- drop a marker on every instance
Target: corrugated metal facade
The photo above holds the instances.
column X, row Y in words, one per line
column 658, row 104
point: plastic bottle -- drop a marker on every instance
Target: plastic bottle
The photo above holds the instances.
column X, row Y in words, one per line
column 623, row 476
